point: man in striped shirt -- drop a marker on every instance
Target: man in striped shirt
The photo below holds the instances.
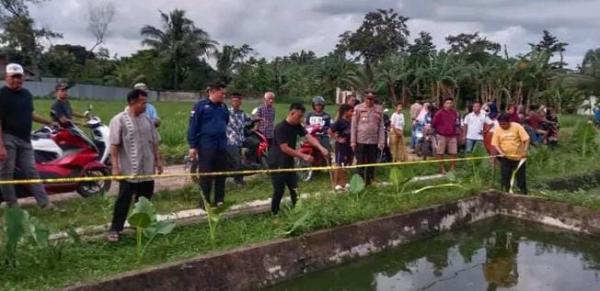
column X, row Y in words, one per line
column 266, row 114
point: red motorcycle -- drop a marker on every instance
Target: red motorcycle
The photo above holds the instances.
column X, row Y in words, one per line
column 66, row 153
column 307, row 149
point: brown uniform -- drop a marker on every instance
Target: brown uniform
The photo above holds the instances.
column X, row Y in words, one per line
column 368, row 132
column 367, row 125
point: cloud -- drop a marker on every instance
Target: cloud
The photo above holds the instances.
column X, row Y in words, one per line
column 275, row 27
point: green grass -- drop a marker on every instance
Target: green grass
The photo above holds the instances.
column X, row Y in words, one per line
column 98, row 210
column 86, row 261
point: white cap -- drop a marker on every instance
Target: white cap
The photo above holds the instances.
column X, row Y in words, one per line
column 140, row 86
column 14, row 69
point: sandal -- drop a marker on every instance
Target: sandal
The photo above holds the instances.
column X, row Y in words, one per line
column 112, row 236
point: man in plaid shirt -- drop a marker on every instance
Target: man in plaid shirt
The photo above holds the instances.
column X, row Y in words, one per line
column 266, row 114
column 235, row 135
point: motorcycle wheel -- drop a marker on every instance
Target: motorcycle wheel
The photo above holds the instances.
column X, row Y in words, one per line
column 303, row 175
column 89, row 189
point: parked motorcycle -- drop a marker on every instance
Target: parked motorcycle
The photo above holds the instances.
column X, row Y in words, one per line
column 66, row 152
column 307, row 149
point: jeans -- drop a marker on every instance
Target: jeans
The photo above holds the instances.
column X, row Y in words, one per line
column 127, row 191
column 413, row 137
column 366, row 154
column 279, row 181
column 20, row 156
column 507, row 167
column 470, row 145
column 212, row 160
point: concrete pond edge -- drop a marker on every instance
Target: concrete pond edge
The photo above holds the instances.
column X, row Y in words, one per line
column 265, row 264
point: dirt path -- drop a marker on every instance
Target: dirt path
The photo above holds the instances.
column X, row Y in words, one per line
column 160, row 185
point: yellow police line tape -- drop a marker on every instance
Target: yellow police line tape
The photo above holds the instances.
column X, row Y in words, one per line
column 228, row 173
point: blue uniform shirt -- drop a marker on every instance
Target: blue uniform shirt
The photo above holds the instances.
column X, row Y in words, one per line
column 208, row 125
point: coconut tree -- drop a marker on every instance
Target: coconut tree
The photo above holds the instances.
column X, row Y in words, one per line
column 177, row 42
column 229, row 59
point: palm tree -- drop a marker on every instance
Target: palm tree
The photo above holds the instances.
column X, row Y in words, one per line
column 229, row 59
column 177, row 42
column 443, row 74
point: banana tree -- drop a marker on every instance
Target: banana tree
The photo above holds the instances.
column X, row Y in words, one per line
column 392, row 71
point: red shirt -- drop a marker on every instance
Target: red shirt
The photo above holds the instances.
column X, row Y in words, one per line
column 535, row 121
column 444, row 122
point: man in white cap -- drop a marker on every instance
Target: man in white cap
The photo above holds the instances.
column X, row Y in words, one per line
column 150, row 109
column 16, row 118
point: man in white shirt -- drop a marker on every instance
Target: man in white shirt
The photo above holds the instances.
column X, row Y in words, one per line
column 473, row 124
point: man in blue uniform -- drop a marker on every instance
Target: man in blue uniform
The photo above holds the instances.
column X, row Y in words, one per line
column 207, row 138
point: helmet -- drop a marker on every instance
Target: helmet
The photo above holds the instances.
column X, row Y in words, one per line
column 318, row 100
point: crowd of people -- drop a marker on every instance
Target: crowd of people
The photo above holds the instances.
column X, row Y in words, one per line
column 361, row 132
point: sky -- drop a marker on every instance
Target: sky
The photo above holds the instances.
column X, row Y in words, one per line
column 278, row 27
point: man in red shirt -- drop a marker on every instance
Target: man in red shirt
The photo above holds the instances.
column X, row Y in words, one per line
column 446, row 122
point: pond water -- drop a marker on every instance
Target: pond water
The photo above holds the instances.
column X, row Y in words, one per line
column 496, row 254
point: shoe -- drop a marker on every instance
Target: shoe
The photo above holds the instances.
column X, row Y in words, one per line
column 339, row 188
column 113, row 236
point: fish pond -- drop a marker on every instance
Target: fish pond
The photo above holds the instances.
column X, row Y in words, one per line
column 495, row 254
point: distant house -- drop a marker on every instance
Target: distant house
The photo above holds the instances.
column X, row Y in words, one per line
column 586, row 106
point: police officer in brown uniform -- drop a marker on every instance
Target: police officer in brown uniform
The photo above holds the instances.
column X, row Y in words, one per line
column 368, row 134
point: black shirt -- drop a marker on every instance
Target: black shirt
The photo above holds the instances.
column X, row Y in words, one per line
column 342, row 128
column 16, row 112
column 61, row 109
column 288, row 134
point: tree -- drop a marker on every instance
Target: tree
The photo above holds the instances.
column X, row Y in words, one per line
column 552, row 45
column 179, row 43
column 422, row 50
column 394, row 71
column 382, row 32
column 19, row 33
column 229, row 59
column 474, row 47
column 100, row 15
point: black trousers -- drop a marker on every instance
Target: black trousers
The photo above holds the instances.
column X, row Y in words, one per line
column 212, row 160
column 280, row 180
column 507, row 167
column 366, row 154
column 127, row 191
column 234, row 155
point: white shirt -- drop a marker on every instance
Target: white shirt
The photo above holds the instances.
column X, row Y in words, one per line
column 474, row 123
column 397, row 121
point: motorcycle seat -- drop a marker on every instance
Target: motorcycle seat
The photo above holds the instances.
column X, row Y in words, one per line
column 40, row 135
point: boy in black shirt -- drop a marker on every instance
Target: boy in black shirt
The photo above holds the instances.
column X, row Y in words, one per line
column 284, row 151
column 61, row 111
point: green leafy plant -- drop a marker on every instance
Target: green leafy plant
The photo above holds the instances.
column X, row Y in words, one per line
column 299, row 222
column 586, row 136
column 357, row 186
column 399, row 179
column 143, row 218
column 14, row 230
column 214, row 216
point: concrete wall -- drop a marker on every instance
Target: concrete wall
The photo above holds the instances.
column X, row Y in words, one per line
column 262, row 265
column 266, row 264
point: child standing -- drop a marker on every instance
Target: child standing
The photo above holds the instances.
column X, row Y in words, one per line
column 343, row 152
column 397, row 135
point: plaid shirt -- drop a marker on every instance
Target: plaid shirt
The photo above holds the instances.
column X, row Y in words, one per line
column 267, row 114
column 235, row 128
